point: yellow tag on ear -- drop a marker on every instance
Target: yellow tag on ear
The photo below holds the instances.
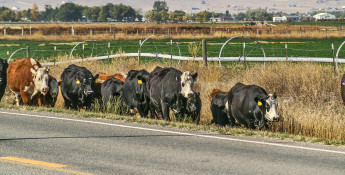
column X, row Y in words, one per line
column 78, row 82
column 140, row 82
column 259, row 103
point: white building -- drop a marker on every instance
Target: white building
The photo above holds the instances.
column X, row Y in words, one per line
column 277, row 19
column 322, row 16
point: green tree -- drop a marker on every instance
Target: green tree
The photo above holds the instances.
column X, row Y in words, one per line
column 160, row 6
column 7, row 15
column 69, row 12
column 18, row 16
column 258, row 15
column 122, row 12
column 203, row 16
column 177, row 15
column 92, row 13
column 49, row 13
column 34, row 13
column 102, row 15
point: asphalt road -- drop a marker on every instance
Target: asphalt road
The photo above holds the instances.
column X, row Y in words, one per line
column 44, row 143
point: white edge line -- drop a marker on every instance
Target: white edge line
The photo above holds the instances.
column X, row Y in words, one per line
column 179, row 133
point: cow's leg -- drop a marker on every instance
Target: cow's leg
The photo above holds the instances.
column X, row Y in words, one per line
column 165, row 111
column 25, row 98
column 17, row 99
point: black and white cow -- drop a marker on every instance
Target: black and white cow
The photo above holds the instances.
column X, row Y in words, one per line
column 3, row 76
column 170, row 88
column 251, row 106
column 110, row 89
column 220, row 109
column 77, row 87
column 134, row 92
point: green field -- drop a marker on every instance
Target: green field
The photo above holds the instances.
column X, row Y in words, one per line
column 273, row 48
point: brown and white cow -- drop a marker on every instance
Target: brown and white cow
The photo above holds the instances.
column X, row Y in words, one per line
column 27, row 80
column 50, row 98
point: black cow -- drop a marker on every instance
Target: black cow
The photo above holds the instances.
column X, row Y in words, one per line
column 110, row 89
column 134, row 92
column 77, row 87
column 220, row 109
column 251, row 106
column 193, row 107
column 3, row 76
column 169, row 89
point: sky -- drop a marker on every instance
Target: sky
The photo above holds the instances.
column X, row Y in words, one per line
column 193, row 6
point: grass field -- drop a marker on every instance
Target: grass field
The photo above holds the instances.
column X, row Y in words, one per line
column 273, row 47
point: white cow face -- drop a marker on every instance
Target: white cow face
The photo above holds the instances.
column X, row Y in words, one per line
column 54, row 88
column 40, row 79
column 187, row 81
column 271, row 109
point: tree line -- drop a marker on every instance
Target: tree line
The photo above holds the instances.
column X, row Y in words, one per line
column 71, row 12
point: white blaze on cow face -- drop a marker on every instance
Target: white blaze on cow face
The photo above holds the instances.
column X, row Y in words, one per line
column 40, row 79
column 54, row 88
column 271, row 109
column 187, row 81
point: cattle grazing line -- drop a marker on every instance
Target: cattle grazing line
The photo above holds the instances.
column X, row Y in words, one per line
column 181, row 133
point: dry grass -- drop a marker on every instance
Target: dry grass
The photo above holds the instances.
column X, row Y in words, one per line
column 64, row 32
column 308, row 93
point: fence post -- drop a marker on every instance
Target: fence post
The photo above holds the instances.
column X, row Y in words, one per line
column 244, row 56
column 22, row 32
column 204, row 52
column 139, row 51
column 82, row 58
column 54, row 55
column 4, row 31
column 171, row 50
column 30, row 30
column 28, row 51
column 334, row 62
column 108, row 49
column 286, row 52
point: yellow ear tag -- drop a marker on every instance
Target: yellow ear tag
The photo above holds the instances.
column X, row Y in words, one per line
column 78, row 82
column 259, row 103
column 140, row 82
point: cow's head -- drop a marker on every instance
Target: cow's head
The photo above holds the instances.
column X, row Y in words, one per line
column 86, row 83
column 271, row 107
column 260, row 111
column 54, row 87
column 187, row 81
column 40, row 79
column 3, row 69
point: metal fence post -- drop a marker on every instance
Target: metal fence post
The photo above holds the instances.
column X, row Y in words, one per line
column 108, row 49
column 204, row 52
column 244, row 56
column 139, row 51
column 334, row 62
column 54, row 55
column 286, row 52
column 28, row 51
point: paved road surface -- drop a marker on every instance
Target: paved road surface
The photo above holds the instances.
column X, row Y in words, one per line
column 44, row 143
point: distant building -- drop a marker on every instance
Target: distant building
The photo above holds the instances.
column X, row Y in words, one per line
column 15, row 9
column 277, row 19
column 291, row 18
column 216, row 19
column 323, row 16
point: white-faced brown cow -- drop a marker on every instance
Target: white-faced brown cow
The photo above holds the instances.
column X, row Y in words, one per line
column 27, row 80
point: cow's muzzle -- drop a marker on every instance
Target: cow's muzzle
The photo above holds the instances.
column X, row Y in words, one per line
column 45, row 90
column 88, row 92
column 54, row 94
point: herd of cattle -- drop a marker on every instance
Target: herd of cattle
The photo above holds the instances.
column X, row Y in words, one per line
column 154, row 93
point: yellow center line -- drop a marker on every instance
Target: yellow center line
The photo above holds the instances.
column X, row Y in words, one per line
column 33, row 162
column 40, row 164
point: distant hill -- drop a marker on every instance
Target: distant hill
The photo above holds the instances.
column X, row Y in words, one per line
column 191, row 6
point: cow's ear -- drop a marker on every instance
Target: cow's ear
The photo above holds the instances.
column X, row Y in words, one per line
column 258, row 101
column 96, row 76
column 47, row 70
column 274, row 96
column 194, row 76
column 33, row 71
column 141, row 79
column 59, row 82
